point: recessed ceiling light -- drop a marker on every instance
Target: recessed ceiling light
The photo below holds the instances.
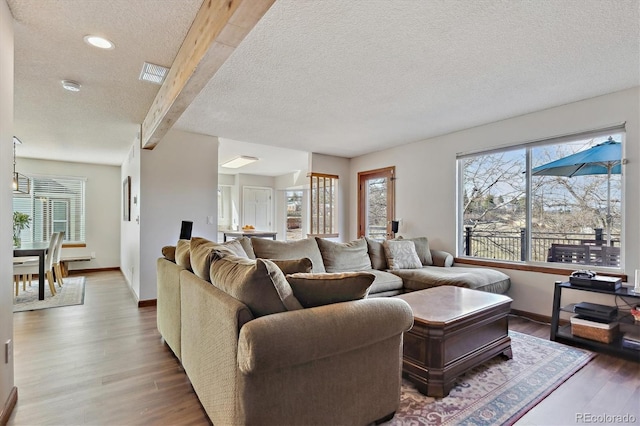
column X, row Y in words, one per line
column 99, row 42
column 237, row 162
column 70, row 85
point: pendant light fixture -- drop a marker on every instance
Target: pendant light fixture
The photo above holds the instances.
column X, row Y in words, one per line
column 21, row 183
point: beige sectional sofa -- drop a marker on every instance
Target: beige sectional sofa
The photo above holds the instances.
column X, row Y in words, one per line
column 297, row 366
column 267, row 360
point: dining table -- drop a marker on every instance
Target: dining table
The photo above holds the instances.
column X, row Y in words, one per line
column 35, row 249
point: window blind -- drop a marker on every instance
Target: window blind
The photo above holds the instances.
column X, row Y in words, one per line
column 55, row 204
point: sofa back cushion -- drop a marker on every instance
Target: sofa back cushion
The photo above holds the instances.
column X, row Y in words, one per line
column 270, row 249
column 344, row 257
column 183, row 257
column 201, row 251
column 422, row 249
column 258, row 283
column 323, row 289
column 376, row 255
column 401, row 254
column 246, row 244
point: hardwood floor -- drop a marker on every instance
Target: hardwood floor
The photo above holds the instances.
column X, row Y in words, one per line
column 104, row 362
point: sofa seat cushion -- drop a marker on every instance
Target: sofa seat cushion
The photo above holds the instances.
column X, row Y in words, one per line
column 258, row 283
column 385, row 281
column 327, row 288
column 484, row 279
column 344, row 257
column 308, row 247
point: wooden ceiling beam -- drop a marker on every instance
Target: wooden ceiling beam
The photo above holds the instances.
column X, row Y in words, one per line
column 218, row 28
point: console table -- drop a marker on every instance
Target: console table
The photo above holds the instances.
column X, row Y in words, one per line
column 563, row 334
column 250, row 234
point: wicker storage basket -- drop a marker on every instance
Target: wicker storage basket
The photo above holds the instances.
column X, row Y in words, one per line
column 598, row 334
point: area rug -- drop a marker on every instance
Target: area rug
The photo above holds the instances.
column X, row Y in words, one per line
column 498, row 392
column 71, row 293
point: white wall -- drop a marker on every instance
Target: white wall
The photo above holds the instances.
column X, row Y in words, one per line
column 130, row 230
column 6, row 197
column 426, row 185
column 102, row 207
column 178, row 181
column 340, row 166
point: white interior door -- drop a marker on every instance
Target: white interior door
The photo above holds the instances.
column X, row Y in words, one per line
column 257, row 207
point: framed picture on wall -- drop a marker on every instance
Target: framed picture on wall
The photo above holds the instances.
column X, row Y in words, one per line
column 126, row 199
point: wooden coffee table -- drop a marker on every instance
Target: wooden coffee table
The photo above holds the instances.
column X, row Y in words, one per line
column 455, row 329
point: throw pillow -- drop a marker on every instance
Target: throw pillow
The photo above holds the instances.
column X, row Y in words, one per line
column 422, row 249
column 258, row 283
column 376, row 254
column 201, row 251
column 169, row 253
column 344, row 257
column 183, row 257
column 401, row 254
column 293, row 266
column 323, row 289
column 270, row 249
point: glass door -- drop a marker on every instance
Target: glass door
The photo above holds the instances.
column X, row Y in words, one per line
column 376, row 203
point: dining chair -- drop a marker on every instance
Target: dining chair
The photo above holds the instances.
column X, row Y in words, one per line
column 28, row 269
column 18, row 275
column 57, row 266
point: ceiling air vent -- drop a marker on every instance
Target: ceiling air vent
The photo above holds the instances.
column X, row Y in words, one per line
column 153, row 73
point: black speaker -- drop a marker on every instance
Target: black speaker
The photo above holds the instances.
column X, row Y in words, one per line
column 185, row 230
column 394, row 226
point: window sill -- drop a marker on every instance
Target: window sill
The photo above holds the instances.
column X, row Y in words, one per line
column 533, row 268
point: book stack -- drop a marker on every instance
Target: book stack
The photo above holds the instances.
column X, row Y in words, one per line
column 631, row 340
column 600, row 330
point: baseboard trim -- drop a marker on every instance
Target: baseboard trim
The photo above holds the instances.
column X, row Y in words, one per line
column 148, row 302
column 532, row 316
column 8, row 407
column 84, row 271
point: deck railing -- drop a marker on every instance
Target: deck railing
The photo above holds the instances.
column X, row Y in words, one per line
column 512, row 246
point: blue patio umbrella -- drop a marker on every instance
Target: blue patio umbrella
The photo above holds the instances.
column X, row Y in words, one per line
column 602, row 159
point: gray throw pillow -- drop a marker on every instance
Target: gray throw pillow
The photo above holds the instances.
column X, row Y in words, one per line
column 323, row 289
column 293, row 266
column 258, row 283
column 422, row 249
column 270, row 249
column 401, row 254
column 344, row 257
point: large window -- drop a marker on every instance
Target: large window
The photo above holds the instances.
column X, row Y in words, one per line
column 558, row 200
column 54, row 204
column 324, row 197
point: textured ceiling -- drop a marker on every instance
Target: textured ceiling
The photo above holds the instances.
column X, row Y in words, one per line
column 347, row 78
column 334, row 77
column 99, row 123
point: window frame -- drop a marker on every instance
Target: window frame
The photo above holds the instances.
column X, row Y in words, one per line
column 47, row 213
column 332, row 230
column 461, row 257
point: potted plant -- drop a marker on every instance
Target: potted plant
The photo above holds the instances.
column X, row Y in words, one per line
column 20, row 222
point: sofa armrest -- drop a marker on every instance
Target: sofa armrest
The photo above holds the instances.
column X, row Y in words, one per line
column 297, row 337
column 442, row 258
